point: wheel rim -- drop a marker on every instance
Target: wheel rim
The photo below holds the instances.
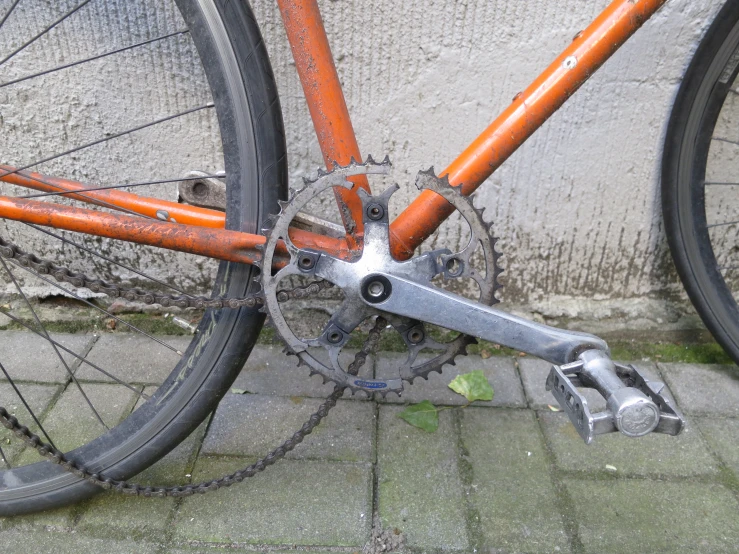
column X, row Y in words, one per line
column 128, row 437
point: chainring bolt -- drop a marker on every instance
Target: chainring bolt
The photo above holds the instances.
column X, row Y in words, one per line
column 375, row 212
column 334, row 337
column 306, row 262
column 415, row 336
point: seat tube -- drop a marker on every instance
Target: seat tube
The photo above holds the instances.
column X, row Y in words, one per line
column 325, row 97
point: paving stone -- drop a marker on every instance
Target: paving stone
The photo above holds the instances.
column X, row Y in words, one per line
column 115, row 515
column 534, row 372
column 723, row 436
column 29, row 357
column 511, row 489
column 38, row 397
column 655, row 516
column 704, row 389
column 71, row 423
column 291, row 503
column 132, row 358
column 252, row 425
column 655, row 454
column 269, row 371
column 298, row 550
column 18, row 542
column 59, row 519
column 500, row 372
column 420, row 491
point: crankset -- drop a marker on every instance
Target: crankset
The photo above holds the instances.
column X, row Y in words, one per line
column 374, row 284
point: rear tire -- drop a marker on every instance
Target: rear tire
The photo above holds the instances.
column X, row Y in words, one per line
column 235, row 61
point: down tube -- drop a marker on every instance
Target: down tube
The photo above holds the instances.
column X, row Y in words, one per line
column 529, row 110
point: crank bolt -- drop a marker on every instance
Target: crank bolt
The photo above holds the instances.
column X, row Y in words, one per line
column 283, row 296
column 375, row 289
column 415, row 336
column 375, row 212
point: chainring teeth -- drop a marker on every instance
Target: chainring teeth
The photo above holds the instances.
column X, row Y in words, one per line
column 481, row 234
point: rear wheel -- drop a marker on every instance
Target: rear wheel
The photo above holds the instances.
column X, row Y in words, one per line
column 700, row 179
column 181, row 86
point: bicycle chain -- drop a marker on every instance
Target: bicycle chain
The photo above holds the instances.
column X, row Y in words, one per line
column 11, row 251
column 133, row 489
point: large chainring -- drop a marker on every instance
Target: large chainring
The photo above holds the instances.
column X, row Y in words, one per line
column 375, row 256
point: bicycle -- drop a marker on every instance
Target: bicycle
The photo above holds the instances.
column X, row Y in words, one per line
column 386, row 272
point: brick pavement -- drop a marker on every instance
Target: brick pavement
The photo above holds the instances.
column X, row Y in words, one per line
column 506, row 476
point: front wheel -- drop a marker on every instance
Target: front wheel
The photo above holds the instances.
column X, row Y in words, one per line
column 700, row 179
column 138, row 92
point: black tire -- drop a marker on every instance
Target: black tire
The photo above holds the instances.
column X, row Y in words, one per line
column 699, row 258
column 230, row 46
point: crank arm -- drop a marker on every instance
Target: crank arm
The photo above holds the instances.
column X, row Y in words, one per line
column 635, row 407
column 425, row 303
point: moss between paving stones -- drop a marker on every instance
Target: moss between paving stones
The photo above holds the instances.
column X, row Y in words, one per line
column 291, row 503
column 511, row 489
column 655, row 516
column 420, row 492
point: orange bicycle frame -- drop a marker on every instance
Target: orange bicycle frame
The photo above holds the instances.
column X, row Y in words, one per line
column 200, row 231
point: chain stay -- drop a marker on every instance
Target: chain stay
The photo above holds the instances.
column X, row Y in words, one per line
column 10, row 251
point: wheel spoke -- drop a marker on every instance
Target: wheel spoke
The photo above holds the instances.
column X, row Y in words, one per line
column 106, row 258
column 722, row 224
column 43, row 32
column 82, row 194
column 125, row 185
column 93, row 58
column 728, row 141
column 2, row 454
column 82, row 359
column 48, row 338
column 104, row 311
column 7, row 14
column 30, row 411
column 111, row 137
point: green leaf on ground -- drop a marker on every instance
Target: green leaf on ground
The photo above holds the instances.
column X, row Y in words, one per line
column 473, row 386
column 422, row 415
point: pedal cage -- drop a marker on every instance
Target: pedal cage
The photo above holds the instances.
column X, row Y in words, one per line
column 563, row 382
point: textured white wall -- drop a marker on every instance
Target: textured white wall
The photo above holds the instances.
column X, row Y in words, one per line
column 578, row 206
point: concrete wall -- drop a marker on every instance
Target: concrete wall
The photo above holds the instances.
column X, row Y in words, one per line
column 577, row 207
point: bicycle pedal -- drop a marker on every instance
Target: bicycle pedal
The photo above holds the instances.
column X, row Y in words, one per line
column 635, row 405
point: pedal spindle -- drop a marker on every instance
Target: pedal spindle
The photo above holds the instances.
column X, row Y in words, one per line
column 634, row 405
